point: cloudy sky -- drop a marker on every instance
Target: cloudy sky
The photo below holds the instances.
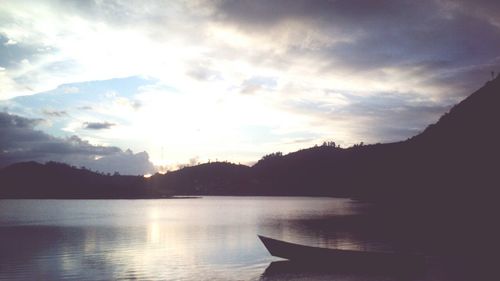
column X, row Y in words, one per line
column 134, row 85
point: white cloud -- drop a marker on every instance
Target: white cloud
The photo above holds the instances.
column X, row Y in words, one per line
column 204, row 55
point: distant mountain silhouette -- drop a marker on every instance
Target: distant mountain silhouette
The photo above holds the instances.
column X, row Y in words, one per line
column 457, row 155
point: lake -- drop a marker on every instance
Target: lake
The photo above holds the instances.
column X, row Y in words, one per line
column 209, row 238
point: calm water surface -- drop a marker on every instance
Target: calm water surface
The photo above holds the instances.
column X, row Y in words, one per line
column 209, row 238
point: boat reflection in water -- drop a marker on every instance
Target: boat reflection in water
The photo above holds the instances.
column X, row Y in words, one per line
column 292, row 270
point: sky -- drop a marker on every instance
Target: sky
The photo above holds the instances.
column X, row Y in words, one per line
column 144, row 86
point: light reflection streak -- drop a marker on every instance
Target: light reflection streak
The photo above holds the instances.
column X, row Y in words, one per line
column 165, row 239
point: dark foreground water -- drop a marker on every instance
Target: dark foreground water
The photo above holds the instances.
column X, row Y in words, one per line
column 210, row 238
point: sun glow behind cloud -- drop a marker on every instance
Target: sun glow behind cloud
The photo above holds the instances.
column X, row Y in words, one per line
column 230, row 81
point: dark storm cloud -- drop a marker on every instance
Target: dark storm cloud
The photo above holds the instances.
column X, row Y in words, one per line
column 19, row 138
column 20, row 141
column 98, row 125
column 342, row 12
column 384, row 16
column 456, row 42
column 14, row 121
column 435, row 38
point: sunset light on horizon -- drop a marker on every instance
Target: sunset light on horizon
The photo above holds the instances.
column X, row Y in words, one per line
column 137, row 89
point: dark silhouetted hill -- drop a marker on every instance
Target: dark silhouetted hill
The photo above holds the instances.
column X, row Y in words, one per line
column 456, row 157
column 217, row 178
column 56, row 180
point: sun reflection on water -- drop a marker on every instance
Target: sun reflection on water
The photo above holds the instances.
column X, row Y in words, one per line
column 154, row 233
column 198, row 239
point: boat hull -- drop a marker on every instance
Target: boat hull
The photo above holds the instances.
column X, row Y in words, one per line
column 344, row 259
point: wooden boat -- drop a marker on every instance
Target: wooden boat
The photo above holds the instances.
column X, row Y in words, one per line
column 344, row 259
